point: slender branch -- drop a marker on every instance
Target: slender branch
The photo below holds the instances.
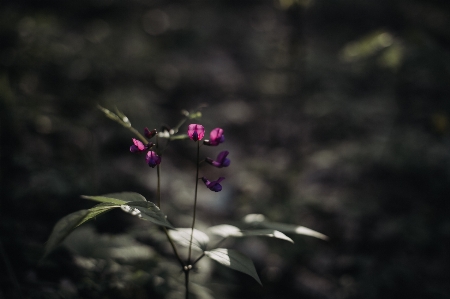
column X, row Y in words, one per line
column 158, row 190
column 203, row 254
column 177, row 127
column 174, row 248
column 186, row 282
column 195, row 201
column 158, row 196
column 198, row 259
column 139, row 135
column 158, row 172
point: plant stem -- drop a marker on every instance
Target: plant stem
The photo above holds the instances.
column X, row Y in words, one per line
column 139, row 135
column 174, row 248
column 186, row 282
column 158, row 196
column 203, row 254
column 158, row 189
column 158, row 171
column 195, row 202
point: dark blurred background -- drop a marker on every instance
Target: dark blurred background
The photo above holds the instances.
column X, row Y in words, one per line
column 336, row 116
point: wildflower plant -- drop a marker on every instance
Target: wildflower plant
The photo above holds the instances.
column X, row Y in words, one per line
column 191, row 238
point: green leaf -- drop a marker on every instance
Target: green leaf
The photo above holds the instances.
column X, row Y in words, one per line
column 62, row 228
column 260, row 220
column 122, row 116
column 234, row 260
column 121, row 120
column 97, row 210
column 117, row 198
column 225, row 231
column 109, row 114
column 146, row 210
column 183, row 237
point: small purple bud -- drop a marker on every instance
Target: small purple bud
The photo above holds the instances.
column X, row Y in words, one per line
column 215, row 137
column 149, row 134
column 214, row 185
column 152, row 159
column 196, row 132
column 221, row 161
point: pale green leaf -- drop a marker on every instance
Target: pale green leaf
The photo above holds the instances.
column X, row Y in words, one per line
column 267, row 233
column 234, row 260
column 226, row 230
column 146, row 210
column 260, row 220
column 121, row 120
column 122, row 116
column 62, row 228
column 109, row 114
column 183, row 237
column 97, row 210
column 117, row 198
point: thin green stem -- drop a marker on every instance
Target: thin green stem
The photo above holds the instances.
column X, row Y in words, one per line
column 203, row 254
column 177, row 127
column 195, row 201
column 174, row 248
column 186, row 282
column 139, row 135
column 158, row 196
column 158, row 189
column 158, row 172
column 198, row 259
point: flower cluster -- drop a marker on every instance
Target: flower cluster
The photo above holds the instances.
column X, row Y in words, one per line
column 196, row 132
column 152, row 157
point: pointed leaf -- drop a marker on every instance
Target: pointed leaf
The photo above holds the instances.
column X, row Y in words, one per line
column 183, row 237
column 259, row 220
column 62, row 228
column 97, row 210
column 109, row 114
column 234, row 260
column 123, row 121
column 117, row 198
column 225, row 231
column 146, row 210
column 267, row 233
column 295, row 229
column 122, row 116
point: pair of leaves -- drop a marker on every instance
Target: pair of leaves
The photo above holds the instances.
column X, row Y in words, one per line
column 129, row 202
column 227, row 257
column 118, row 116
column 183, row 237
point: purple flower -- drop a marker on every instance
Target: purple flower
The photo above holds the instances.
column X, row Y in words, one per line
column 221, row 160
column 215, row 137
column 196, row 132
column 138, row 146
column 149, row 134
column 152, row 159
column 214, row 185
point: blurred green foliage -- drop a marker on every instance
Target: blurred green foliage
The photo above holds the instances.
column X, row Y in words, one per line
column 336, row 116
